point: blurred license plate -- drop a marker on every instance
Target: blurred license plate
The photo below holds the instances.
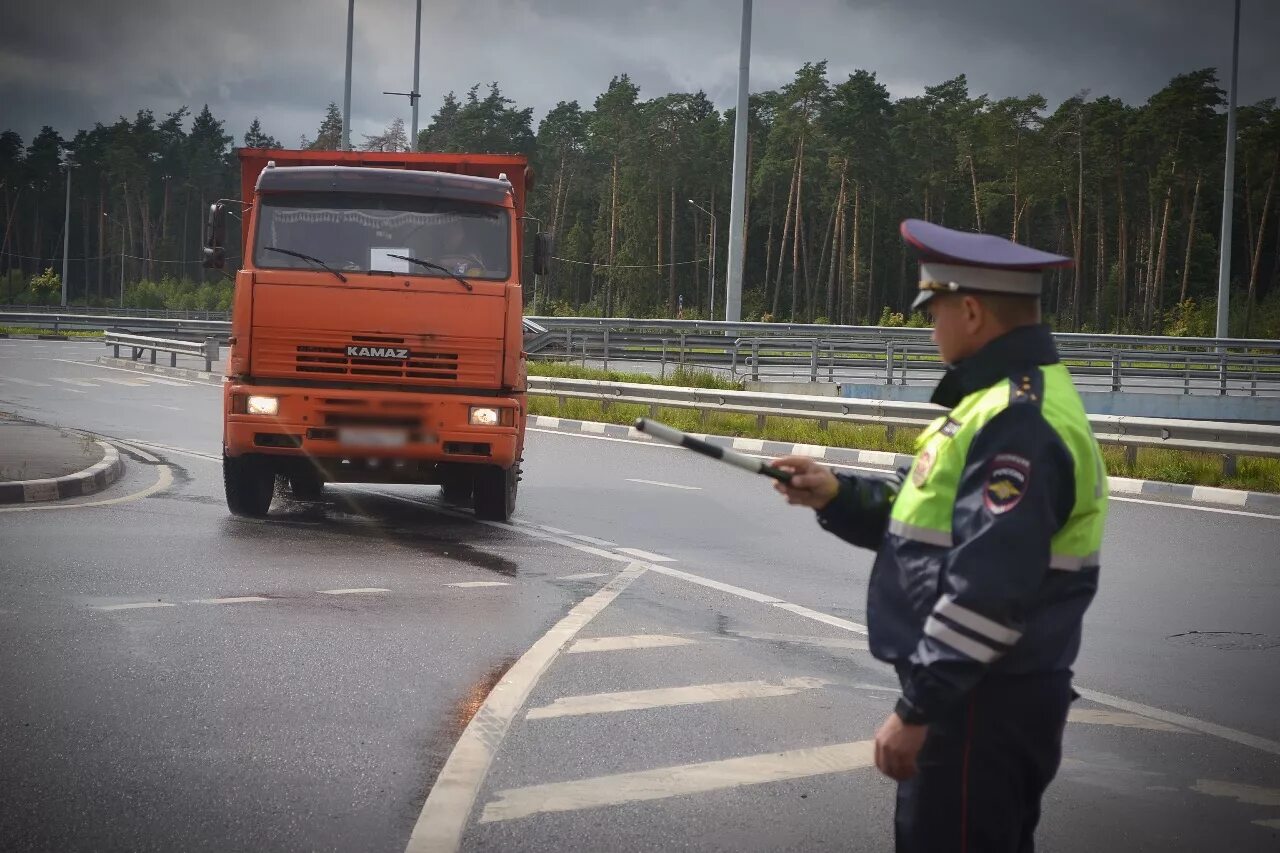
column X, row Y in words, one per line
column 372, row 437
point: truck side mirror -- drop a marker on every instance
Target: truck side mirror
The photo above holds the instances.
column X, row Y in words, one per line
column 215, row 254
column 542, row 249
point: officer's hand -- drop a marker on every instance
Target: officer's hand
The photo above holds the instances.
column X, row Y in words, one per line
column 811, row 484
column 897, row 745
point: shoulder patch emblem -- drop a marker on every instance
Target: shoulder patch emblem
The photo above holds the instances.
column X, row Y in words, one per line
column 1008, row 476
column 950, row 428
column 920, row 471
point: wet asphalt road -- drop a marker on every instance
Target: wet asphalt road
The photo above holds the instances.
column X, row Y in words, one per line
column 263, row 711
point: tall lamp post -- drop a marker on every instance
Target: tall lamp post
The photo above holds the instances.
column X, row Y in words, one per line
column 413, row 95
column 1228, row 191
column 738, row 199
column 345, row 144
column 66, row 229
column 711, row 305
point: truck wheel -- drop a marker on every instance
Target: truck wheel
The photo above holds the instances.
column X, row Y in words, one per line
column 495, row 492
column 456, row 485
column 249, row 483
column 306, row 487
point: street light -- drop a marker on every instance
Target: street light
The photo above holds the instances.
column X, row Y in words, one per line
column 121, row 224
column 345, row 144
column 414, row 95
column 711, row 307
column 66, row 228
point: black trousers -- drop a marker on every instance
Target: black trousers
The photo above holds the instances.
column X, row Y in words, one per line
column 983, row 768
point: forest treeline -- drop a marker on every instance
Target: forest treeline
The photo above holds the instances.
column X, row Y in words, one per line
column 637, row 193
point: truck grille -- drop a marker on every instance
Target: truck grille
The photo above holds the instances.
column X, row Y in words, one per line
column 335, row 361
column 320, row 355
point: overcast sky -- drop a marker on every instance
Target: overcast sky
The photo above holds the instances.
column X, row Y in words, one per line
column 70, row 63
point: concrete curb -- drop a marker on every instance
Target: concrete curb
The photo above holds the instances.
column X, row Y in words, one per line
column 209, row 378
column 92, row 479
column 1120, row 486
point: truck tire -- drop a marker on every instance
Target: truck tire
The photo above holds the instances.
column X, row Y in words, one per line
column 249, row 483
column 495, row 492
column 457, row 484
column 306, row 487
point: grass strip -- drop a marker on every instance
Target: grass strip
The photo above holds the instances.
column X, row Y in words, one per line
column 70, row 333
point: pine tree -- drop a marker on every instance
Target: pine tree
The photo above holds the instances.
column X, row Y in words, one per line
column 255, row 138
column 329, row 136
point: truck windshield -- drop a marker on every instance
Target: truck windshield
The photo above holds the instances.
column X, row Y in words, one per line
column 360, row 232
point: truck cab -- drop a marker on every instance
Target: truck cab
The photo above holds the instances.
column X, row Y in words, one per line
column 376, row 326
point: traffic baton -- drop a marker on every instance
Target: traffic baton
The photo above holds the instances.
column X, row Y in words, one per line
column 671, row 435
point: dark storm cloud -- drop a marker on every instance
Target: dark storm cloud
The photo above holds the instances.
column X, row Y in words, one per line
column 70, row 63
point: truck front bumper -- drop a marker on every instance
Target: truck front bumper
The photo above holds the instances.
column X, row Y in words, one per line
column 356, row 426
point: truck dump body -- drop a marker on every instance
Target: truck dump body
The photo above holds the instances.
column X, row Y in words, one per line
column 376, row 329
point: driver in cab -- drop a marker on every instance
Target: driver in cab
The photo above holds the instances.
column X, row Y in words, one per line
column 456, row 252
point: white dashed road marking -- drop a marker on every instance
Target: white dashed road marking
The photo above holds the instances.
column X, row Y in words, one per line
column 645, row 555
column 137, row 605
column 1202, row 726
column 476, row 584
column 681, row 780
column 132, row 383
column 26, row 382
column 635, row 641
column 354, row 590
column 1254, row 795
column 666, row 485
column 83, row 383
column 800, row 639
column 242, row 599
column 582, row 576
column 1105, row 717
column 669, row 697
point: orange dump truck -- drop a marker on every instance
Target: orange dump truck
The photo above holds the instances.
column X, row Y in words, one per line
column 376, row 332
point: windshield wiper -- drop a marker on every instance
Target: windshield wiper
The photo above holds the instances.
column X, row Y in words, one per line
column 434, row 266
column 315, row 261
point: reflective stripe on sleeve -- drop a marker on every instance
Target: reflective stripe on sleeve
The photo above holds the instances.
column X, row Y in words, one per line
column 927, row 535
column 967, row 646
column 1069, row 563
column 976, row 622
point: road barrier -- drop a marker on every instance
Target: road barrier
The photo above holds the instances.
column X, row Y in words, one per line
column 1230, row 440
column 208, row 349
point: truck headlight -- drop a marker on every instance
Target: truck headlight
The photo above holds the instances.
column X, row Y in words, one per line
column 485, row 416
column 256, row 405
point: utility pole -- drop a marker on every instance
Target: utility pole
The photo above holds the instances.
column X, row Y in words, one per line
column 1228, row 190
column 711, row 303
column 413, row 95
column 737, row 205
column 346, row 98
column 66, row 233
column 417, row 56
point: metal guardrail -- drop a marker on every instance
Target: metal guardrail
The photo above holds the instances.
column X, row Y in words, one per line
column 156, row 321
column 160, row 313
column 765, row 351
column 207, row 349
column 1227, row 439
column 58, row 321
column 1149, row 364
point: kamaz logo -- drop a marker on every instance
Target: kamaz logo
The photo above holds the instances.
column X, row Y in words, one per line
column 377, row 352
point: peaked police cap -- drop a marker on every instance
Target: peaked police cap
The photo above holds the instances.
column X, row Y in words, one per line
column 952, row 261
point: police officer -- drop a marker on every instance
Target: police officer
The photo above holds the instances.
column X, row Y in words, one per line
column 987, row 554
